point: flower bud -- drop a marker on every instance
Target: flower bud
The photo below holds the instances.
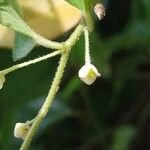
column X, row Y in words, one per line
column 99, row 10
column 88, row 74
column 21, row 130
column 2, row 80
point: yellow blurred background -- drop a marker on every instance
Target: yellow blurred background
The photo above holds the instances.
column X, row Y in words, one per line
column 50, row 18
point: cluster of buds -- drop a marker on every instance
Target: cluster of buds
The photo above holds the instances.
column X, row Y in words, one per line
column 21, row 130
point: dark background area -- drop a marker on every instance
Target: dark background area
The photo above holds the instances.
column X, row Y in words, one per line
column 113, row 113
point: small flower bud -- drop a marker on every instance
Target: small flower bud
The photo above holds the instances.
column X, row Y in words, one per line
column 21, row 130
column 88, row 74
column 99, row 10
column 2, row 80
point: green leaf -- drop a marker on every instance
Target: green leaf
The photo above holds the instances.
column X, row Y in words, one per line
column 85, row 6
column 2, row 1
column 22, row 46
column 12, row 3
column 78, row 4
column 10, row 16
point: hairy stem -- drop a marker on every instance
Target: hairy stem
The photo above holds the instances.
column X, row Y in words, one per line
column 68, row 44
column 48, row 43
column 25, row 64
column 87, row 46
column 54, row 88
column 45, row 108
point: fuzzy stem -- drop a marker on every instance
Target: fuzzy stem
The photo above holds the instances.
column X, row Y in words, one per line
column 87, row 46
column 74, row 36
column 45, row 108
column 69, row 43
column 25, row 64
column 47, row 43
column 54, row 88
column 30, row 122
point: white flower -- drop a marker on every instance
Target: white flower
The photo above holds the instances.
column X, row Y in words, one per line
column 88, row 74
column 21, row 130
column 2, row 80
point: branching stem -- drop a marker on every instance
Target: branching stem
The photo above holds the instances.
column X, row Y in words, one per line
column 54, row 88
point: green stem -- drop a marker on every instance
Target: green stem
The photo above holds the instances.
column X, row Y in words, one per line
column 25, row 64
column 74, row 36
column 45, row 108
column 54, row 88
column 55, row 45
column 87, row 46
column 30, row 122
column 68, row 44
column 48, row 43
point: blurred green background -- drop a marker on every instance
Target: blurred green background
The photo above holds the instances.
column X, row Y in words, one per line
column 113, row 113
